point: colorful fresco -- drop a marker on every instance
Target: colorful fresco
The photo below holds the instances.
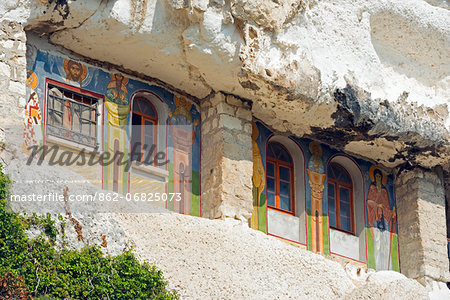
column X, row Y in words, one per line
column 113, row 121
column 75, row 71
column 316, row 180
column 183, row 129
column 381, row 219
column 32, row 115
column 118, row 107
column 259, row 181
column 376, row 236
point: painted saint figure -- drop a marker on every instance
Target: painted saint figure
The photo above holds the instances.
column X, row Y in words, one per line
column 315, row 163
column 183, row 132
column 316, row 181
column 75, row 71
column 258, row 178
column 32, row 115
column 118, row 108
column 381, row 219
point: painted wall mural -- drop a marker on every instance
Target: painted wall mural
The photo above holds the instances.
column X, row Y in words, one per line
column 259, row 181
column 381, row 219
column 316, row 180
column 378, row 230
column 111, row 119
column 75, row 71
column 32, row 115
column 183, row 129
column 117, row 105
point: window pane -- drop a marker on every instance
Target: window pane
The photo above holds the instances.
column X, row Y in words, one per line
column 345, row 177
column 331, row 190
column 271, row 185
column 280, row 153
column 332, row 219
column 331, row 205
column 284, row 156
column 270, row 152
column 270, row 169
column 285, row 203
column 276, row 149
column 270, row 199
column 331, row 171
column 345, row 224
column 285, row 173
column 144, row 107
column 345, row 208
column 148, row 131
column 136, row 120
column 344, row 194
column 285, row 189
column 148, row 141
column 337, row 172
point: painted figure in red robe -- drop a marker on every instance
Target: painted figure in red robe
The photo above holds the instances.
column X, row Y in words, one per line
column 381, row 219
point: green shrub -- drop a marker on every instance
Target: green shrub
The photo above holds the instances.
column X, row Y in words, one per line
column 39, row 269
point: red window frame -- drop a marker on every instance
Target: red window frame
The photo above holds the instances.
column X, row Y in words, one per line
column 337, row 201
column 277, row 163
column 153, row 120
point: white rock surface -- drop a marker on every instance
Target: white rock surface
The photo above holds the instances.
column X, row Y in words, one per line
column 288, row 57
column 388, row 285
column 217, row 259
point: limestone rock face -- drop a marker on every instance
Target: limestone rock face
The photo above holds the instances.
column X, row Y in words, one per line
column 388, row 285
column 369, row 77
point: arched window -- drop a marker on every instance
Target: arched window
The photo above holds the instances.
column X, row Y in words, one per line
column 340, row 199
column 144, row 131
column 279, row 178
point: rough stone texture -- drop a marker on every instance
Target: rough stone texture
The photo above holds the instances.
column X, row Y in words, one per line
column 218, row 261
column 344, row 72
column 388, row 285
column 226, row 158
column 95, row 220
column 446, row 171
column 12, row 86
column 224, row 259
column 422, row 225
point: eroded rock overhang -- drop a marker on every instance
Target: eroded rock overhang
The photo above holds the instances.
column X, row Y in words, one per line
column 369, row 77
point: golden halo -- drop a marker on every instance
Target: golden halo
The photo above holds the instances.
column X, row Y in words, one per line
column 254, row 131
column 372, row 176
column 66, row 67
column 32, row 80
column 314, row 144
column 84, row 74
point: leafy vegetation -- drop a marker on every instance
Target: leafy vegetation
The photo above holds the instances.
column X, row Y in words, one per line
column 35, row 268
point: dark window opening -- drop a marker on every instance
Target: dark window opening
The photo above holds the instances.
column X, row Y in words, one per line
column 72, row 115
column 340, row 199
column 279, row 178
column 144, row 131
